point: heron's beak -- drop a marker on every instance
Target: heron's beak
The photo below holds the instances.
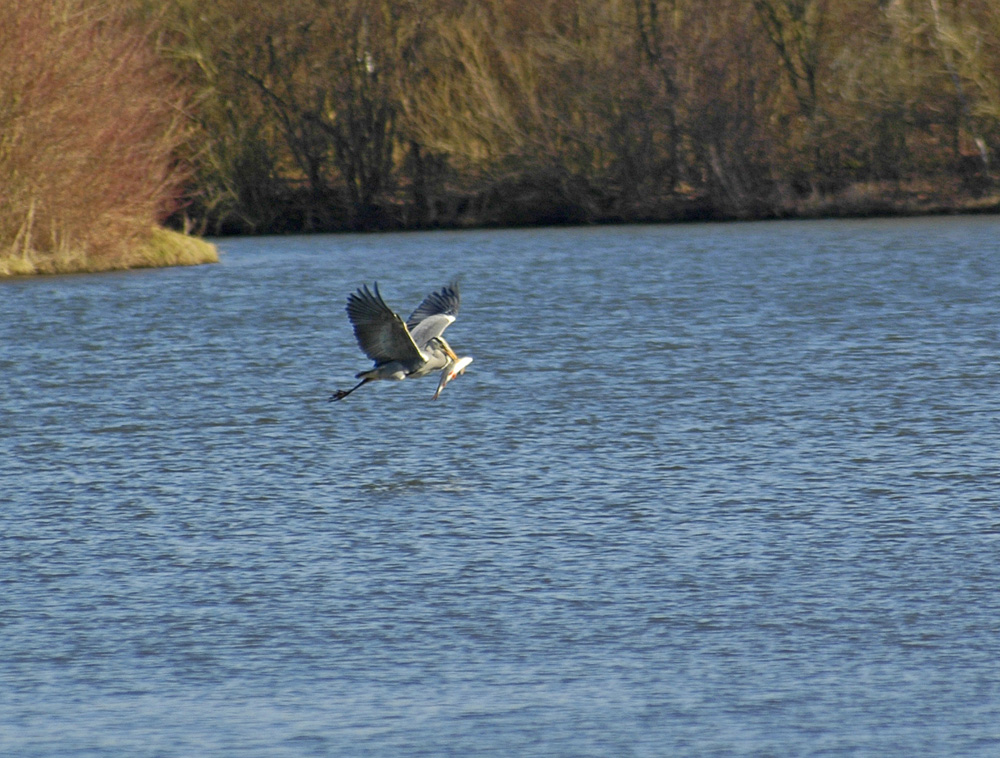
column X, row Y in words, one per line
column 449, row 352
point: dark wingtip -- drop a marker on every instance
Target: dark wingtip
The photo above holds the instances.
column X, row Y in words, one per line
column 363, row 292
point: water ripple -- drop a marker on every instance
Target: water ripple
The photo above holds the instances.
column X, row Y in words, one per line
column 710, row 489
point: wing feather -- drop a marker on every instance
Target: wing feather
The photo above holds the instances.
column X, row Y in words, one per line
column 380, row 332
column 445, row 301
column 434, row 314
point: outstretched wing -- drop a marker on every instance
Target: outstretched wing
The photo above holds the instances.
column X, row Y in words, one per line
column 380, row 332
column 434, row 314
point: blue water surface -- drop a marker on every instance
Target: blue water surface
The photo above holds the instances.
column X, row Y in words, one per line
column 722, row 489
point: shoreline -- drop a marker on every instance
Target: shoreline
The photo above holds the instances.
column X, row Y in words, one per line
column 163, row 248
column 167, row 247
column 535, row 209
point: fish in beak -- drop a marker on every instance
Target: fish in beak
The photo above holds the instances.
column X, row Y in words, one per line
column 451, row 372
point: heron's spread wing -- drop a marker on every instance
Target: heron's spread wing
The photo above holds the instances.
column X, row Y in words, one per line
column 434, row 314
column 380, row 332
column 445, row 301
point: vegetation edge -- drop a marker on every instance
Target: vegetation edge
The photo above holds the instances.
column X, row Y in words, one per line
column 161, row 248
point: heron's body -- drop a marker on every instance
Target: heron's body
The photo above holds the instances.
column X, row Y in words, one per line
column 403, row 350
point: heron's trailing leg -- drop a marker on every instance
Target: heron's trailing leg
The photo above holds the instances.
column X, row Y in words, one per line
column 341, row 394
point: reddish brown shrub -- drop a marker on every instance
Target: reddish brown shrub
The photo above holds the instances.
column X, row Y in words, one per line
column 89, row 122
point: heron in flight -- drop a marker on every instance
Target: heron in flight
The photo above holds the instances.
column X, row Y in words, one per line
column 403, row 350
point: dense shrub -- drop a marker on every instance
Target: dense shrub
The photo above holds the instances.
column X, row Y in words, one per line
column 89, row 123
column 369, row 114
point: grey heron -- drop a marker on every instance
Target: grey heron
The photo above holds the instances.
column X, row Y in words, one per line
column 409, row 349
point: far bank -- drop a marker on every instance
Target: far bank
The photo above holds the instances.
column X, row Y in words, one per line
column 528, row 204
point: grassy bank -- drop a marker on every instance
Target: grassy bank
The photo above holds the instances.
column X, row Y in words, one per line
column 161, row 247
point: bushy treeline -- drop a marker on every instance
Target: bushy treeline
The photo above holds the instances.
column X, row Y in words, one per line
column 91, row 124
column 307, row 115
column 361, row 114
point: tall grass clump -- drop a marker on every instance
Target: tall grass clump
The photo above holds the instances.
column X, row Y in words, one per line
column 89, row 123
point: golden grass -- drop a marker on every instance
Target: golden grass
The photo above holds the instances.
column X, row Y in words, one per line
column 169, row 248
column 161, row 247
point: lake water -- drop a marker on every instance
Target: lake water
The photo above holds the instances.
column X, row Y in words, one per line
column 722, row 489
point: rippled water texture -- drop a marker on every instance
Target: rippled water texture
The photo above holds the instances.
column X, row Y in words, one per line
column 706, row 490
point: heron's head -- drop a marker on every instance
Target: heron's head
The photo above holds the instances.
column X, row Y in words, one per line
column 446, row 348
